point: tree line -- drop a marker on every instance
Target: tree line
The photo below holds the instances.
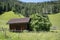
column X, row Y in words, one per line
column 29, row 8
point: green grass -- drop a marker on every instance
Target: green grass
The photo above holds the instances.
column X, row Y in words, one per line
column 55, row 19
column 54, row 35
column 30, row 36
column 9, row 15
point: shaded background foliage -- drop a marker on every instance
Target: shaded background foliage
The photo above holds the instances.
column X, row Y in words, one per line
column 29, row 8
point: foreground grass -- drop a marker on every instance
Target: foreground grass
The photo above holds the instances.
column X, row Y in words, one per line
column 30, row 36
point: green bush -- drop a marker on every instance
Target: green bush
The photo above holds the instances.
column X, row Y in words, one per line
column 39, row 23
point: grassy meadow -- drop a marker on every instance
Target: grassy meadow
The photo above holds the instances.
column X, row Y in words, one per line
column 30, row 36
column 55, row 20
column 7, row 35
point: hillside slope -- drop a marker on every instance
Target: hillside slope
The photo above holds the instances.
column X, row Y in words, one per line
column 9, row 15
column 55, row 20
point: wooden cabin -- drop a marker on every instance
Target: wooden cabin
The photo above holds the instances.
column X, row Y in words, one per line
column 19, row 24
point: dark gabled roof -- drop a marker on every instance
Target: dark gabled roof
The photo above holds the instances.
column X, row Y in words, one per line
column 19, row 20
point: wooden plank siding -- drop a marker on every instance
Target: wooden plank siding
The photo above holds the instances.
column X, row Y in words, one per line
column 19, row 26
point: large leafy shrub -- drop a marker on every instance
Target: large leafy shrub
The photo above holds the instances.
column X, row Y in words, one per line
column 39, row 23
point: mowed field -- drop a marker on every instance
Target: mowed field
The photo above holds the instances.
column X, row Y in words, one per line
column 7, row 35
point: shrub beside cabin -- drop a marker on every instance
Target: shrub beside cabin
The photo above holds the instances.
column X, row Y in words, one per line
column 19, row 24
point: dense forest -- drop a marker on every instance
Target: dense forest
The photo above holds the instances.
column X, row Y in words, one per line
column 29, row 8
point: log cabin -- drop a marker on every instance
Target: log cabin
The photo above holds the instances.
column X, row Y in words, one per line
column 19, row 24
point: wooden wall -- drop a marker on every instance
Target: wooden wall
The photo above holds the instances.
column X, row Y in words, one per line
column 18, row 26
